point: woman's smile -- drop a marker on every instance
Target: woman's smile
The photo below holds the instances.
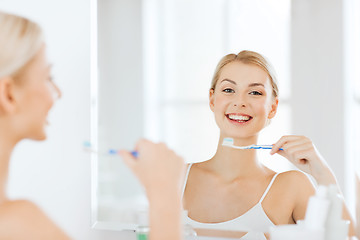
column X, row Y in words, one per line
column 238, row 118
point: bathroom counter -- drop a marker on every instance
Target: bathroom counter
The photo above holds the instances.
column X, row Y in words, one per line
column 132, row 236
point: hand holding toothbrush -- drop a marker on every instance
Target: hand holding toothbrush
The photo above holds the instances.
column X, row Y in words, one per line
column 301, row 151
column 157, row 167
column 162, row 173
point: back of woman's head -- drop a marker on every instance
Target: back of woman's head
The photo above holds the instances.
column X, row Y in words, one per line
column 247, row 57
column 20, row 40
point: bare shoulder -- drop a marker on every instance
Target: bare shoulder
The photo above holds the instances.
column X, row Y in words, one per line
column 301, row 189
column 298, row 186
column 287, row 199
column 27, row 216
column 17, row 210
column 296, row 178
column 201, row 167
column 194, row 174
column 196, row 168
column 295, row 185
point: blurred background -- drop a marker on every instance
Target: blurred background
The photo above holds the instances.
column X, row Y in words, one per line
column 142, row 68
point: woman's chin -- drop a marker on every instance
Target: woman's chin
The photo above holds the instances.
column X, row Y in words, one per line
column 242, row 135
column 41, row 136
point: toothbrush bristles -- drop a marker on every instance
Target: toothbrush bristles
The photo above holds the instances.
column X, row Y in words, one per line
column 228, row 142
column 87, row 144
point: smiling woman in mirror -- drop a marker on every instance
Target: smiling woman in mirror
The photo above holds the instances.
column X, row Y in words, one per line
column 233, row 190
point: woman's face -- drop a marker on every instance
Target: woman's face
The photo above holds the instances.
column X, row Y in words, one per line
column 242, row 101
column 36, row 95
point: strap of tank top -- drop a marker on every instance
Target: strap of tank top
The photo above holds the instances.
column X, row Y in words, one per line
column 268, row 188
column 186, row 178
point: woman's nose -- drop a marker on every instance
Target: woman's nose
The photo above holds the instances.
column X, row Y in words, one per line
column 240, row 102
column 57, row 91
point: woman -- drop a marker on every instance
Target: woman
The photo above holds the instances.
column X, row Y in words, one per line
column 233, row 190
column 27, row 93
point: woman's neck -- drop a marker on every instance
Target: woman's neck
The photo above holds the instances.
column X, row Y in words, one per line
column 233, row 163
column 7, row 145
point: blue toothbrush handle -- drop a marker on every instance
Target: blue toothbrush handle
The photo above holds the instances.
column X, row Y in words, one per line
column 113, row 152
column 135, row 153
column 263, row 147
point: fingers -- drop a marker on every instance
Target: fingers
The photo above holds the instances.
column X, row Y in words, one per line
column 289, row 142
column 132, row 159
column 157, row 167
column 128, row 158
column 148, row 153
column 279, row 144
column 142, row 145
column 301, row 151
column 297, row 149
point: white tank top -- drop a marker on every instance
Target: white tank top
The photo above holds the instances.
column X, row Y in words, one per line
column 255, row 221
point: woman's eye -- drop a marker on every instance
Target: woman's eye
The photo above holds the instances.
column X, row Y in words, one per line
column 255, row 93
column 228, row 90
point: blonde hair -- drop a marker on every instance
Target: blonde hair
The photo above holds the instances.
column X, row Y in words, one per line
column 247, row 57
column 20, row 40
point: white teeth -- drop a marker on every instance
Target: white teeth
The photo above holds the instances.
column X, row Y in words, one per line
column 239, row 117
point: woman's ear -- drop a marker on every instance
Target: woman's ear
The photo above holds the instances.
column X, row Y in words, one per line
column 211, row 99
column 7, row 102
column 274, row 107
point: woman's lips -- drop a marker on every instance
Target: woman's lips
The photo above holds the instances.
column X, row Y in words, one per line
column 238, row 118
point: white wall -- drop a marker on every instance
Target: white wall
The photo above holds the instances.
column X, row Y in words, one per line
column 56, row 173
column 320, row 84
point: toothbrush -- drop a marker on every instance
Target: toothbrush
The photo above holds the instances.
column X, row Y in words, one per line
column 88, row 148
column 229, row 142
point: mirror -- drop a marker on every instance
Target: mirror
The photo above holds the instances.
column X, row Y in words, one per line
column 152, row 66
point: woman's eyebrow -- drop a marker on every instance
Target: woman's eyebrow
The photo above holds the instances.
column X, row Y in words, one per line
column 228, row 80
column 256, row 84
column 250, row 85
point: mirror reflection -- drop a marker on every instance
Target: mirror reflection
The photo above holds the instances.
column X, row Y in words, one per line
column 154, row 82
column 156, row 60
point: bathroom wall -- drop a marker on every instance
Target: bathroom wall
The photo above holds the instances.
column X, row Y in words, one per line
column 321, row 81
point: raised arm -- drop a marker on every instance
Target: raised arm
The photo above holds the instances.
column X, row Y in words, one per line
column 300, row 151
column 161, row 172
